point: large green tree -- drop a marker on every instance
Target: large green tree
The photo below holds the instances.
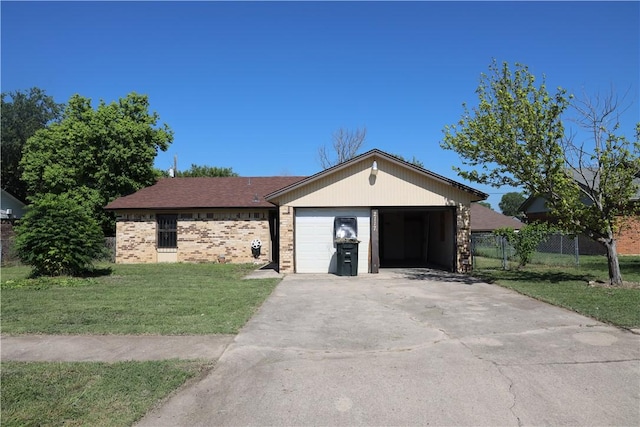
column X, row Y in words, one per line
column 516, row 136
column 510, row 203
column 22, row 113
column 96, row 155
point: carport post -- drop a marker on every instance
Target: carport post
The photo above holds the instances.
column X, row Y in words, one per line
column 375, row 239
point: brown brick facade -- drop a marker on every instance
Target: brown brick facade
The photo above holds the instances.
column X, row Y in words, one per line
column 202, row 237
column 628, row 236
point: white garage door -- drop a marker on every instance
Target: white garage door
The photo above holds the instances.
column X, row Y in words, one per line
column 314, row 247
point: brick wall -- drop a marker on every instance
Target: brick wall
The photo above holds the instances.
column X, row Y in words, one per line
column 206, row 240
column 628, row 236
column 286, row 239
column 202, row 237
column 7, row 238
column 136, row 241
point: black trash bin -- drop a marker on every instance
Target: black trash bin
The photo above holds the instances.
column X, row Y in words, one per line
column 347, row 255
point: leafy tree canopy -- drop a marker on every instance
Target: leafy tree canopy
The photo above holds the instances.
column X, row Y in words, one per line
column 485, row 204
column 22, row 113
column 414, row 160
column 516, row 136
column 198, row 171
column 97, row 154
column 210, row 171
column 510, row 203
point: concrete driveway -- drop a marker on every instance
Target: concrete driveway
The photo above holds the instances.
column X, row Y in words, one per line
column 413, row 347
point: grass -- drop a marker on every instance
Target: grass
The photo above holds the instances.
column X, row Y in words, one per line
column 88, row 393
column 167, row 299
column 161, row 299
column 568, row 286
column 493, row 256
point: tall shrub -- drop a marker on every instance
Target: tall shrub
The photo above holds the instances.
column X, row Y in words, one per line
column 58, row 236
column 526, row 240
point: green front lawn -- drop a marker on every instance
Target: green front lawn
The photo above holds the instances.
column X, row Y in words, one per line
column 133, row 299
column 161, row 299
column 88, row 393
column 568, row 287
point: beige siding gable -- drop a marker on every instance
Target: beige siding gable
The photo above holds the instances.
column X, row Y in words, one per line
column 394, row 185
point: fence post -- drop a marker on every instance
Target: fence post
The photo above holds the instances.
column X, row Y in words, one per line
column 473, row 252
column 576, row 248
column 503, row 242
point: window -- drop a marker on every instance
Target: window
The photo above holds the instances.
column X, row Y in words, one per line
column 167, row 231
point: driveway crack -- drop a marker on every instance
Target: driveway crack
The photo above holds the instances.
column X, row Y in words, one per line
column 512, row 392
column 505, row 376
column 588, row 362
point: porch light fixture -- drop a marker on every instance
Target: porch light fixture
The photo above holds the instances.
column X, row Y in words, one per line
column 374, row 168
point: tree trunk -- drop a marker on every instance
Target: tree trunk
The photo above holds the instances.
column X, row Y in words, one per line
column 615, row 277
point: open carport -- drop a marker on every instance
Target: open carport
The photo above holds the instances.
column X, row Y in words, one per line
column 417, row 237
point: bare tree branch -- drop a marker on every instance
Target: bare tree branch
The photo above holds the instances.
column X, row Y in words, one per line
column 345, row 143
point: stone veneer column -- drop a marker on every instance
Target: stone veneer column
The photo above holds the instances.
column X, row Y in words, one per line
column 463, row 239
column 286, row 239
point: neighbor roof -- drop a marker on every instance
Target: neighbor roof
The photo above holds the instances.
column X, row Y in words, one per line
column 219, row 192
column 585, row 179
column 484, row 219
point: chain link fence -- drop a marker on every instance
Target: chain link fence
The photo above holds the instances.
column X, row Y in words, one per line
column 110, row 246
column 491, row 251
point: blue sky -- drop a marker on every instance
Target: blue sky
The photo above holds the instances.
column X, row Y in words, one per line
column 260, row 86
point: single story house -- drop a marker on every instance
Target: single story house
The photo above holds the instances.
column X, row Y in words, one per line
column 11, row 207
column 486, row 220
column 405, row 216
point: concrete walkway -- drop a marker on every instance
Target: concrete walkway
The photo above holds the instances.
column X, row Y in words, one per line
column 413, row 348
column 111, row 348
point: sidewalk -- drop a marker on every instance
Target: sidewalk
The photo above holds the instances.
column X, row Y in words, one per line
column 111, row 348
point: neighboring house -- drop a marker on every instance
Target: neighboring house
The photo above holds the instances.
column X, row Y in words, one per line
column 11, row 209
column 406, row 216
column 10, row 206
column 485, row 220
column 628, row 234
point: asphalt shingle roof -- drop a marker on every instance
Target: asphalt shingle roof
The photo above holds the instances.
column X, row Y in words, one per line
column 485, row 219
column 220, row 192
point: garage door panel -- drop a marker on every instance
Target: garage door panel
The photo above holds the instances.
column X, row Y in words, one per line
column 315, row 250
